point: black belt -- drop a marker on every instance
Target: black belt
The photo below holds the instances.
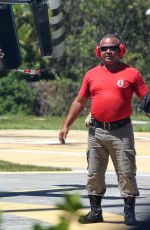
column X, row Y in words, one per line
column 111, row 125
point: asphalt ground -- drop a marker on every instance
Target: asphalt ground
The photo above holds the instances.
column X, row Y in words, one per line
column 29, row 198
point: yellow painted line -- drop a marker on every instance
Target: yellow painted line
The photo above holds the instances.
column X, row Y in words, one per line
column 11, row 206
column 50, row 215
column 39, row 212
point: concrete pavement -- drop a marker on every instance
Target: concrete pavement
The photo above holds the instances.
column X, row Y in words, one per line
column 28, row 198
column 41, row 147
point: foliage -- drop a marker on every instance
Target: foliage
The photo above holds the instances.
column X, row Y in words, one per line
column 88, row 22
column 53, row 97
column 27, row 35
column 70, row 206
column 85, row 23
column 63, row 225
column 15, row 96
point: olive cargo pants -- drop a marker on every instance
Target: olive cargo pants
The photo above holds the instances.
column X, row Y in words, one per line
column 119, row 145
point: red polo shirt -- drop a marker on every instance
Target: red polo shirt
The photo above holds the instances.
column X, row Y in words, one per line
column 111, row 92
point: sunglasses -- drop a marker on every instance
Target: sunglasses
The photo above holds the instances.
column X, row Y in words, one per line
column 111, row 48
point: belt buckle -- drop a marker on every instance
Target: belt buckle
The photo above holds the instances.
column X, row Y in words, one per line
column 107, row 125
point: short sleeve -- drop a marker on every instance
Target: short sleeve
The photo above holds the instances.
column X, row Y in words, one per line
column 84, row 90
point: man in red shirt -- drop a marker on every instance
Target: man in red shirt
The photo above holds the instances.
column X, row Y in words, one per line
column 110, row 87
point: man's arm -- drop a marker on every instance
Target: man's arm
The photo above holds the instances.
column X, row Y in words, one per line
column 145, row 104
column 74, row 111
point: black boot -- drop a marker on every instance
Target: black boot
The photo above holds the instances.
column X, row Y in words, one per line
column 129, row 211
column 95, row 215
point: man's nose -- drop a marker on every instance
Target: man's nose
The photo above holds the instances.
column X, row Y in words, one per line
column 108, row 49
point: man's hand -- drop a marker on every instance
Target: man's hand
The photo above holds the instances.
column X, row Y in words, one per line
column 1, row 54
column 62, row 135
column 88, row 119
column 74, row 111
column 145, row 104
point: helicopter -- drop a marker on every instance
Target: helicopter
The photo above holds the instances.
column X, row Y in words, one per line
column 50, row 31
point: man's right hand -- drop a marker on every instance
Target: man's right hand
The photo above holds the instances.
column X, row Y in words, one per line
column 62, row 135
column 74, row 111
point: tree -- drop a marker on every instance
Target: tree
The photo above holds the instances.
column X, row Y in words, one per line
column 15, row 96
column 85, row 23
column 88, row 22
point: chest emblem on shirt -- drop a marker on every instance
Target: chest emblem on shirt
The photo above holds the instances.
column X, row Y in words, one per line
column 120, row 83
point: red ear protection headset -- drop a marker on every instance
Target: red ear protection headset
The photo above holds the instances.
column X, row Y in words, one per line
column 122, row 49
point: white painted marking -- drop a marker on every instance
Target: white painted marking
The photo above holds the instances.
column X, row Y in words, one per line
column 58, row 152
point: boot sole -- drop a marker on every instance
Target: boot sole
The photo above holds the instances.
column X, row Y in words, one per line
column 94, row 222
column 131, row 224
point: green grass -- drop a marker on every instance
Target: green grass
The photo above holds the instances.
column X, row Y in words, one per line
column 6, row 166
column 141, row 127
column 55, row 123
column 140, row 117
column 48, row 123
column 33, row 122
